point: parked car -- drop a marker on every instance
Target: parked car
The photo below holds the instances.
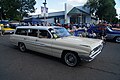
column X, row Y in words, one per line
column 97, row 29
column 113, row 34
column 78, row 32
column 7, row 29
column 56, row 41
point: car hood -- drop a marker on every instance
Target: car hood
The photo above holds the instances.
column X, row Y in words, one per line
column 86, row 42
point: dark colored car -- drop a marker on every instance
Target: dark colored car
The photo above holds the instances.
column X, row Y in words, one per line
column 78, row 32
column 113, row 34
column 109, row 32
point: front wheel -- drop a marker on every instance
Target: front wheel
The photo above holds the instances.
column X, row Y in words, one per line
column 22, row 47
column 71, row 59
column 117, row 39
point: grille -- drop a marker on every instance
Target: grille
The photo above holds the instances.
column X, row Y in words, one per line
column 97, row 48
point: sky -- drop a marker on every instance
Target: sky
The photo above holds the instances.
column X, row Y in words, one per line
column 58, row 5
column 118, row 8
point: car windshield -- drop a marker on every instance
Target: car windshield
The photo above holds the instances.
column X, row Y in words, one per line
column 61, row 32
column 110, row 29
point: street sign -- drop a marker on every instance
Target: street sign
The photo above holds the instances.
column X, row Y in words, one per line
column 44, row 11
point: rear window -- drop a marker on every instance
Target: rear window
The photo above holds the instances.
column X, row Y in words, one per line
column 33, row 32
column 44, row 34
column 21, row 31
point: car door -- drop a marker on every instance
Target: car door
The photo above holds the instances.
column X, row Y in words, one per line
column 31, row 39
column 44, row 42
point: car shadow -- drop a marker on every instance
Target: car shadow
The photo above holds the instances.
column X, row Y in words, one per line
column 111, row 41
column 44, row 56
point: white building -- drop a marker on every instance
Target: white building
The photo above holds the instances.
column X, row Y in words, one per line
column 75, row 15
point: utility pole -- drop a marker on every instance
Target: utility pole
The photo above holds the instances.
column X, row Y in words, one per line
column 45, row 22
column 0, row 13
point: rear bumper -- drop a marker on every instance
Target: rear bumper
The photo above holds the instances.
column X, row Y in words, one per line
column 9, row 31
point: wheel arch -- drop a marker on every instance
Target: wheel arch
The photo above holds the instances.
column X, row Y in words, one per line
column 23, row 43
column 115, row 38
column 65, row 51
column 19, row 43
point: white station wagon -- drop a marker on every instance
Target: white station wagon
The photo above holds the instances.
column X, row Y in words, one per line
column 56, row 41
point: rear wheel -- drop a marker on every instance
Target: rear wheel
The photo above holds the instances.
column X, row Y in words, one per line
column 71, row 59
column 117, row 39
column 22, row 47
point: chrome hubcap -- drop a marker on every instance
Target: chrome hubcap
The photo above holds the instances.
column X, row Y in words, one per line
column 70, row 59
column 118, row 39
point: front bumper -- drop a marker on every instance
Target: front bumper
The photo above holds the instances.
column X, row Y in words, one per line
column 92, row 54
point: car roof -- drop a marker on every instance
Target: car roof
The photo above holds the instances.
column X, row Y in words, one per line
column 37, row 27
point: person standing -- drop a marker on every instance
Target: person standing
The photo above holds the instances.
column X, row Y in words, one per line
column 1, row 29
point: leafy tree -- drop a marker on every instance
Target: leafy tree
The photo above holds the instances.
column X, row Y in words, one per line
column 16, row 9
column 27, row 6
column 104, row 9
column 119, row 21
column 115, row 20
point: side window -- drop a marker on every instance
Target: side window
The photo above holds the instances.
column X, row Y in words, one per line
column 21, row 31
column 33, row 32
column 44, row 34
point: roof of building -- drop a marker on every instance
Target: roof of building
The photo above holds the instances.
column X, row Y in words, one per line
column 84, row 9
column 77, row 9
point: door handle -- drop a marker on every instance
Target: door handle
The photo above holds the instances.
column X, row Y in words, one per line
column 36, row 40
column 24, row 38
column 42, row 45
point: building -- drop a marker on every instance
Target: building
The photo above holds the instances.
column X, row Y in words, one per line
column 74, row 15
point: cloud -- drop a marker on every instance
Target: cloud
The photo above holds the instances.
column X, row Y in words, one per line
column 38, row 11
column 53, row 10
column 60, row 5
column 118, row 12
column 77, row 1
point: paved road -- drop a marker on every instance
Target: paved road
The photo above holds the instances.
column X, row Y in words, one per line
column 15, row 65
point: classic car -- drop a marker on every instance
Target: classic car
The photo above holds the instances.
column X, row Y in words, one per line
column 6, row 28
column 113, row 34
column 57, row 42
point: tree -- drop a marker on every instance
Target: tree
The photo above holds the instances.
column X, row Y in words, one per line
column 104, row 9
column 16, row 9
column 115, row 20
column 26, row 6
